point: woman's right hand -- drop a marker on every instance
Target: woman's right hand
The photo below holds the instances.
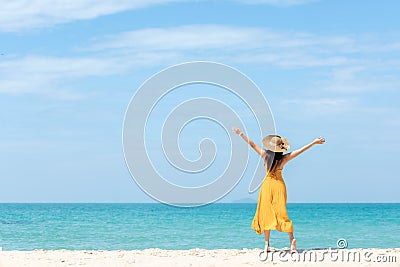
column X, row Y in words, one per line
column 319, row 140
column 236, row 130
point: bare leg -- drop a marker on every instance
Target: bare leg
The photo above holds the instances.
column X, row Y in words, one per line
column 292, row 242
column 266, row 237
column 266, row 234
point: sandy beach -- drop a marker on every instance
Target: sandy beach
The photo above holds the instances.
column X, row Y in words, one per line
column 200, row 257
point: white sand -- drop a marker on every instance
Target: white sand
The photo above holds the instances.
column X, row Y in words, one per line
column 198, row 257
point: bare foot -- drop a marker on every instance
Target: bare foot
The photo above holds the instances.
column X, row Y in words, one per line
column 267, row 249
column 293, row 245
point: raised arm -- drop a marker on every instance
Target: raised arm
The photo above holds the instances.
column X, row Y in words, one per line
column 258, row 149
column 297, row 152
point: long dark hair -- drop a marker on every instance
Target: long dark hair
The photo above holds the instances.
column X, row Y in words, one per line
column 272, row 159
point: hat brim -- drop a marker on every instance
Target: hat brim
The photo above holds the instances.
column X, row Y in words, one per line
column 270, row 146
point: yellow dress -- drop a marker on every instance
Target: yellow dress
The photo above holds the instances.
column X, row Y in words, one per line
column 271, row 211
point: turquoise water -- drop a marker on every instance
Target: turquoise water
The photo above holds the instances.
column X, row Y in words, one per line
column 140, row 226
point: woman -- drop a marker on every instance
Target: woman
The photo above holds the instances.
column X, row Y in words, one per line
column 271, row 211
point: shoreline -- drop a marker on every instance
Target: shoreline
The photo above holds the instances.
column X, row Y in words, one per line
column 201, row 257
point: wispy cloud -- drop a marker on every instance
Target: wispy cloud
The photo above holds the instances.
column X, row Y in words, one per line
column 231, row 44
column 323, row 105
column 254, row 45
column 57, row 75
column 277, row 2
column 359, row 78
column 43, row 75
column 346, row 63
column 203, row 36
column 321, row 102
column 329, row 111
column 19, row 15
column 22, row 15
column 188, row 37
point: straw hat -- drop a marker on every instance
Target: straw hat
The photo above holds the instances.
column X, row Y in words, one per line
column 276, row 143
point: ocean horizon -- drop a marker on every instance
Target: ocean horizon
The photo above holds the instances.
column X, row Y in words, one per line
column 132, row 226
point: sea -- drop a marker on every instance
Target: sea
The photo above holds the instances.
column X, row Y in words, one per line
column 136, row 226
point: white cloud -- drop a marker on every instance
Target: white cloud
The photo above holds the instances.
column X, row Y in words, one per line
column 53, row 75
column 322, row 111
column 203, row 36
column 289, row 49
column 19, row 14
column 43, row 74
column 189, row 37
column 295, row 59
column 231, row 44
column 320, row 101
column 346, row 62
column 360, row 78
column 277, row 2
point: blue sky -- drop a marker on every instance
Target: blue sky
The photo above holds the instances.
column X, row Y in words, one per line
column 69, row 69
